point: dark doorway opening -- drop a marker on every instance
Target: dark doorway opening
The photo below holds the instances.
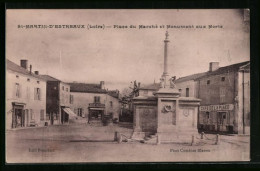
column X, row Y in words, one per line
column 18, row 118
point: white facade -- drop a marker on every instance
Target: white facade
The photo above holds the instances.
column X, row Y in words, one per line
column 29, row 93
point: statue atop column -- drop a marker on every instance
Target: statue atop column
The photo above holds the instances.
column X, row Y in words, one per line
column 166, row 35
column 172, row 82
column 165, row 82
column 162, row 85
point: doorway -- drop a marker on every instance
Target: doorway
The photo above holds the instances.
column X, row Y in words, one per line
column 18, row 117
column 64, row 117
column 222, row 120
column 95, row 115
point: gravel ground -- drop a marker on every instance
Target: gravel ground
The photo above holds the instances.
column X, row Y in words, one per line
column 85, row 143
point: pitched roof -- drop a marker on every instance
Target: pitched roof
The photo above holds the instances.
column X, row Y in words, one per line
column 113, row 93
column 48, row 78
column 86, row 88
column 16, row 68
column 154, row 86
column 190, row 77
column 226, row 69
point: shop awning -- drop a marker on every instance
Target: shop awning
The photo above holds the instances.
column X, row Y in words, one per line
column 69, row 111
column 18, row 104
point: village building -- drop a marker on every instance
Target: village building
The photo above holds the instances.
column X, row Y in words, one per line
column 93, row 102
column 25, row 96
column 58, row 100
column 225, row 95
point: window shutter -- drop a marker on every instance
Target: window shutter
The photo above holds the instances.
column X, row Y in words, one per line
column 35, row 93
column 40, row 95
column 20, row 91
column 33, row 117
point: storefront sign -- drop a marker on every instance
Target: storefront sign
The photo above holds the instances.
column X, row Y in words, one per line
column 217, row 107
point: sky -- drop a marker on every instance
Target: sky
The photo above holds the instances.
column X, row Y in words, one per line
column 121, row 55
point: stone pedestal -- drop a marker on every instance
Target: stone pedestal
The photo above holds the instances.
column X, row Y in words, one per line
column 177, row 116
column 145, row 116
column 170, row 117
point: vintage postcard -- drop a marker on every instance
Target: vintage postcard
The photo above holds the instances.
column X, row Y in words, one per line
column 93, row 85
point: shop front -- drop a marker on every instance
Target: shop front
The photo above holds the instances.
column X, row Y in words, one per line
column 18, row 115
column 96, row 112
column 67, row 114
column 217, row 118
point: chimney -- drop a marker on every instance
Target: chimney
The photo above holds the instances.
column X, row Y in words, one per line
column 102, row 84
column 213, row 66
column 36, row 72
column 30, row 69
column 117, row 92
column 24, row 63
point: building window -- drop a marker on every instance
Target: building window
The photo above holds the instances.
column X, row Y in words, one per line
column 111, row 104
column 80, row 112
column 67, row 89
column 222, row 78
column 17, row 76
column 32, row 114
column 62, row 87
column 47, row 116
column 208, row 81
column 187, row 92
column 38, row 82
column 28, row 79
column 17, row 90
column 97, row 99
column 26, row 111
column 37, row 94
column 207, row 115
column 71, row 99
column 207, row 118
column 180, row 90
column 222, row 94
column 42, row 115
